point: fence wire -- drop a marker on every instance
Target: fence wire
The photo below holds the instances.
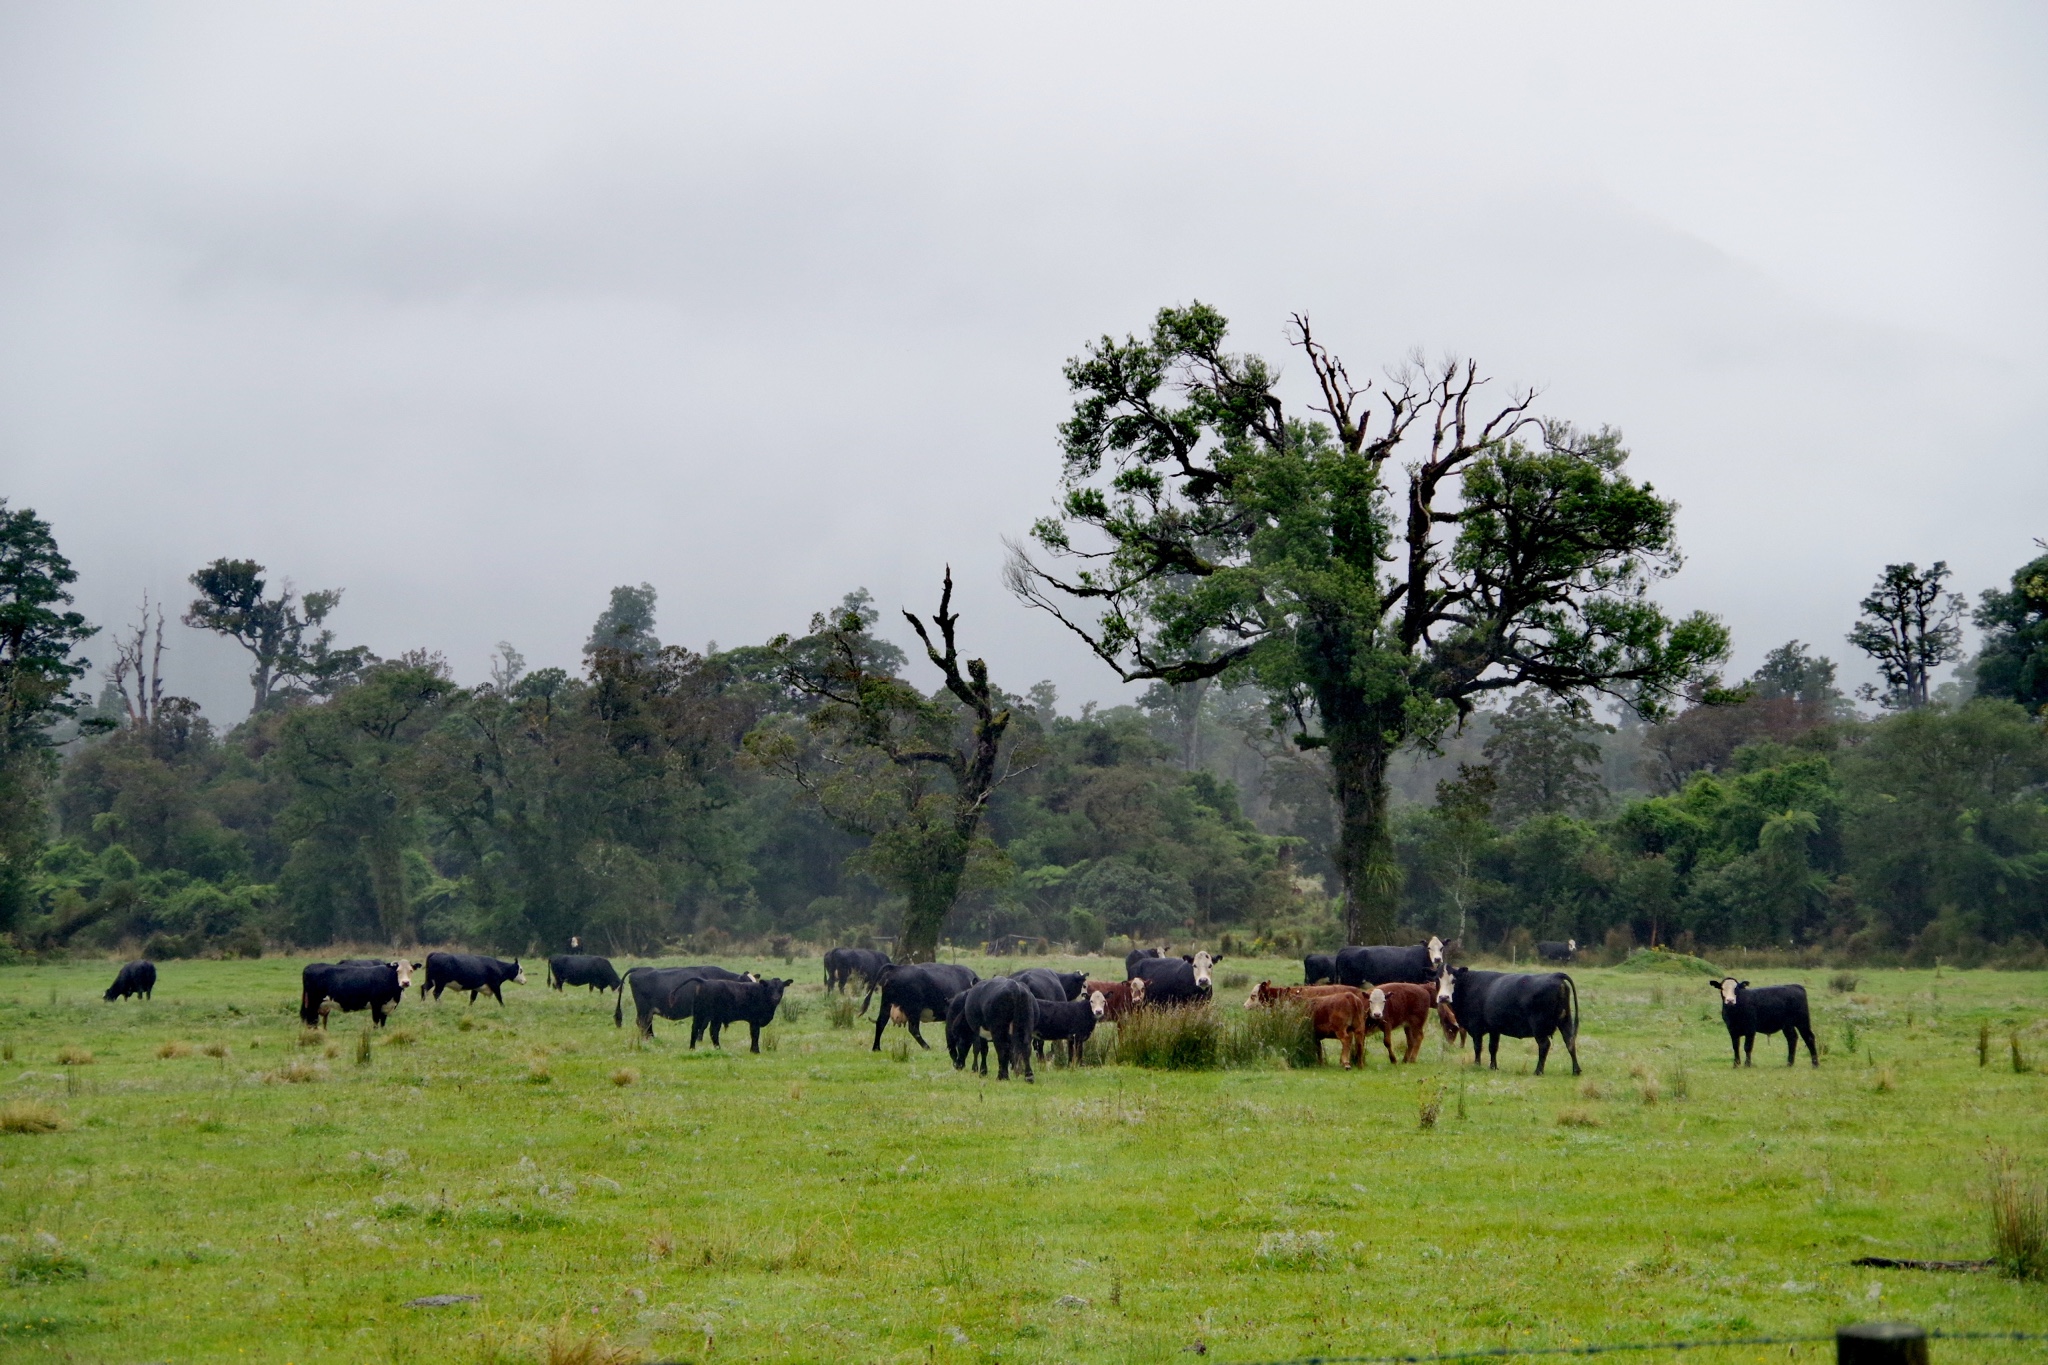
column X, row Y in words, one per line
column 1508, row 1352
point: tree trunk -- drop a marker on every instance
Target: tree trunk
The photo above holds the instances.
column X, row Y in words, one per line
column 386, row 858
column 1365, row 845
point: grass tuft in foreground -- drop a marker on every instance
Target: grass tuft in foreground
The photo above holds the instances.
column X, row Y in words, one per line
column 31, row 1116
column 2019, row 1218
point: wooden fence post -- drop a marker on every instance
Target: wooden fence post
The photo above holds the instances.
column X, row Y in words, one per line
column 1881, row 1343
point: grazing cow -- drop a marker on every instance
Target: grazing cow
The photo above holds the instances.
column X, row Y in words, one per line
column 670, row 992
column 1552, row 951
column 1069, row 1021
column 1137, row 955
column 1001, row 1011
column 1364, row 967
column 1176, row 980
column 1765, row 1009
column 1052, row 986
column 470, row 972
column 912, row 990
column 1335, row 1012
column 1318, row 968
column 353, row 985
column 1118, row 997
column 577, row 969
column 723, row 1003
column 134, row 978
column 1407, row 1006
column 844, row 964
column 1491, row 1005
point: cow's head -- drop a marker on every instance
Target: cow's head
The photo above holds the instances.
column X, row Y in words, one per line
column 1137, row 986
column 1376, row 1003
column 775, row 989
column 1571, row 945
column 1436, row 952
column 574, row 943
column 1448, row 1017
column 1728, row 986
column 1098, row 1004
column 404, row 970
column 751, row 976
column 518, row 975
column 1447, row 985
column 1202, row 962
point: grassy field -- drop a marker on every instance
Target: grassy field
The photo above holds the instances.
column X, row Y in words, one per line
column 822, row 1202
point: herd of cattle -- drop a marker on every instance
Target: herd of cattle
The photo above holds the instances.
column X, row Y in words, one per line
column 1347, row 995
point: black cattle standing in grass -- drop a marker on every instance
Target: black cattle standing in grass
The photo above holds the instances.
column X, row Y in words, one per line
column 667, row 992
column 1493, row 1005
column 1175, row 980
column 1369, row 967
column 844, row 964
column 1070, row 1021
column 1320, row 968
column 1764, row 1009
column 579, row 969
column 1552, row 951
column 135, row 978
column 1051, row 986
column 1137, row 955
column 1000, row 1011
column 724, row 1003
column 470, row 972
column 911, row 990
column 359, row 983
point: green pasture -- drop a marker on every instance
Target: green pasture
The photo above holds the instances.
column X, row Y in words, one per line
column 823, row 1202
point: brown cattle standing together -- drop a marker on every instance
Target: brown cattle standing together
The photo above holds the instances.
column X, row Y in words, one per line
column 1118, row 997
column 1336, row 1011
column 1406, row 1006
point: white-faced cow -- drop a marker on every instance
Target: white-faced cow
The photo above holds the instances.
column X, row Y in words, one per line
column 1493, row 1005
column 914, row 991
column 358, row 983
column 1367, row 967
column 1551, row 951
column 470, row 972
column 1176, row 980
column 1749, row 1011
column 134, row 978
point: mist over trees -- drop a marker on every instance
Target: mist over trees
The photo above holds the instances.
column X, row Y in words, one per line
column 1386, row 700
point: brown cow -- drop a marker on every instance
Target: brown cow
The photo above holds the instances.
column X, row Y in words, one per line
column 1408, row 1007
column 1118, row 997
column 1336, row 1011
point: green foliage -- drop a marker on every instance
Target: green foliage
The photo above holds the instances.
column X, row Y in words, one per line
column 1910, row 626
column 2013, row 662
column 286, row 636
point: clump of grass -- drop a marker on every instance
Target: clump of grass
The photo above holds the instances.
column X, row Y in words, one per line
column 1295, row 1250
column 2020, row 1065
column 401, row 1038
column 7, row 1051
column 1283, row 1034
column 331, row 1051
column 311, row 1037
column 1842, row 982
column 298, row 1071
column 1578, row 1117
column 2019, row 1219
column 1590, row 1089
column 661, row 1246
column 899, row 1051
column 1234, row 981
column 1178, row 1038
column 73, row 1055
column 166, row 1051
column 363, row 1052
column 1884, row 1082
column 29, row 1117
column 1679, row 1082
column 216, row 1049
column 465, row 1023
column 625, row 1076
column 840, row 1011
column 563, row 1347
column 1461, row 1100
column 792, row 1009
column 1849, row 1035
column 46, row 1262
column 1984, row 1044
column 537, row 1072
column 1646, row 1083
column 1430, row 1104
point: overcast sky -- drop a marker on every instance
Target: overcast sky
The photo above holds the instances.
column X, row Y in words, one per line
column 478, row 311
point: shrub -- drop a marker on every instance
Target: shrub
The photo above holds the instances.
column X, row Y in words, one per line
column 70, row 1055
column 30, row 1116
column 840, row 1011
column 166, row 1051
column 2019, row 1219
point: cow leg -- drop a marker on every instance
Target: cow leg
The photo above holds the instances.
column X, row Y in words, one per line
column 1387, row 1039
column 1024, row 1052
column 1415, row 1032
column 911, row 1017
column 377, row 1012
column 1735, row 1044
column 1493, row 1052
column 1542, row 1051
column 1749, row 1049
column 1806, row 1032
column 696, row 1030
column 757, row 1037
column 881, row 1022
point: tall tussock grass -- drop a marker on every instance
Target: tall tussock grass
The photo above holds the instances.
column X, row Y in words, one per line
column 2019, row 1218
column 1204, row 1038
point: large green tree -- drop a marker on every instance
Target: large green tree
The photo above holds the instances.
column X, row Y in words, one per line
column 1213, row 530
column 1910, row 626
column 286, row 635
column 2014, row 660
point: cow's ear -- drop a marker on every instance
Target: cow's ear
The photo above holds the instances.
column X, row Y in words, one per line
column 1742, row 985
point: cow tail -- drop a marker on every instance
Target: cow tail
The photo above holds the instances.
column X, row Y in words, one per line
column 619, row 1010
column 867, row 999
column 1573, row 987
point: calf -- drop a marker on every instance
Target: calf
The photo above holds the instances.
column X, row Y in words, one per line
column 1363, row 967
column 577, row 969
column 470, row 972
column 354, row 985
column 134, row 978
column 1552, row 951
column 666, row 992
column 1407, row 1006
column 911, row 990
column 1051, row 986
column 1491, row 1005
column 1765, row 1009
column 1118, row 997
column 1337, row 1012
column 1176, row 980
column 723, row 1003
column 1317, row 968
column 1002, row 1012
column 1069, row 1021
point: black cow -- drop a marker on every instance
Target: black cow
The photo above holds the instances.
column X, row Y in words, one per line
column 1070, row 1021
column 470, row 972
column 1369, row 967
column 578, row 969
column 1765, row 1009
column 1552, row 951
column 843, row 964
column 724, row 1003
column 913, row 990
column 1049, row 985
column 1137, row 955
column 1492, row 1005
column 1320, row 968
column 134, row 978
column 670, row 992
column 1175, row 980
column 359, row 983
column 1000, row 1011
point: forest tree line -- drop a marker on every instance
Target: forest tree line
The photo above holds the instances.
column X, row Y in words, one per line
column 1371, row 714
